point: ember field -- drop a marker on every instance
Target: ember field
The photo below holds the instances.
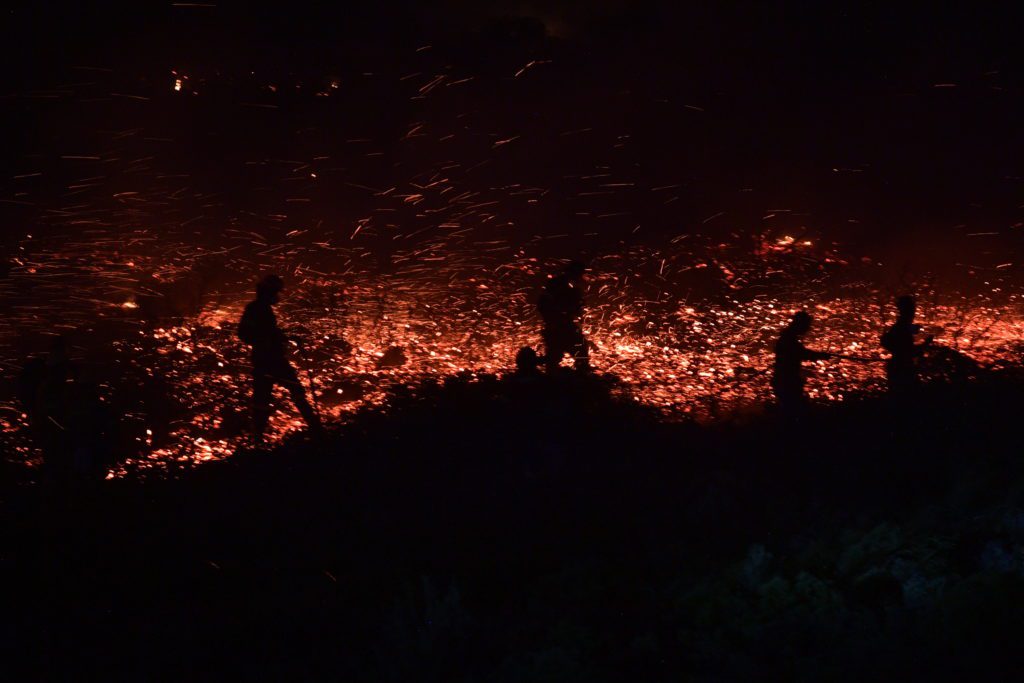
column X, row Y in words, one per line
column 181, row 378
column 415, row 210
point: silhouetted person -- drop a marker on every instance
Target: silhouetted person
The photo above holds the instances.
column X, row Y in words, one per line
column 270, row 364
column 560, row 307
column 899, row 340
column 527, row 362
column 790, row 354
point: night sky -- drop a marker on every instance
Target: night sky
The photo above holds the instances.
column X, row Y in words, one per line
column 922, row 101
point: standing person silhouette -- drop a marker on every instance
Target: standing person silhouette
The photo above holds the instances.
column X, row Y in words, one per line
column 270, row 364
column 790, row 354
column 899, row 340
column 560, row 307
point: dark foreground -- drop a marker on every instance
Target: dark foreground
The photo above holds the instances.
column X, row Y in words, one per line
column 545, row 531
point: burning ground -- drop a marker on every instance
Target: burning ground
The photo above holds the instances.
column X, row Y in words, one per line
column 165, row 354
column 415, row 210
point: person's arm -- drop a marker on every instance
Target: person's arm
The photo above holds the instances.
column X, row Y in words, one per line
column 275, row 332
column 808, row 354
column 245, row 327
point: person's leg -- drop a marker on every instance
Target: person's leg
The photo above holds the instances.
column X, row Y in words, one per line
column 289, row 379
column 902, row 378
column 262, row 393
column 554, row 349
column 553, row 354
column 789, row 396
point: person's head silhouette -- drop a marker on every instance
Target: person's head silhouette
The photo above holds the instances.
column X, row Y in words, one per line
column 907, row 307
column 527, row 361
column 801, row 323
column 269, row 289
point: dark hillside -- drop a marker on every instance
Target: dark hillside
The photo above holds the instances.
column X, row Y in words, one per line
column 535, row 529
